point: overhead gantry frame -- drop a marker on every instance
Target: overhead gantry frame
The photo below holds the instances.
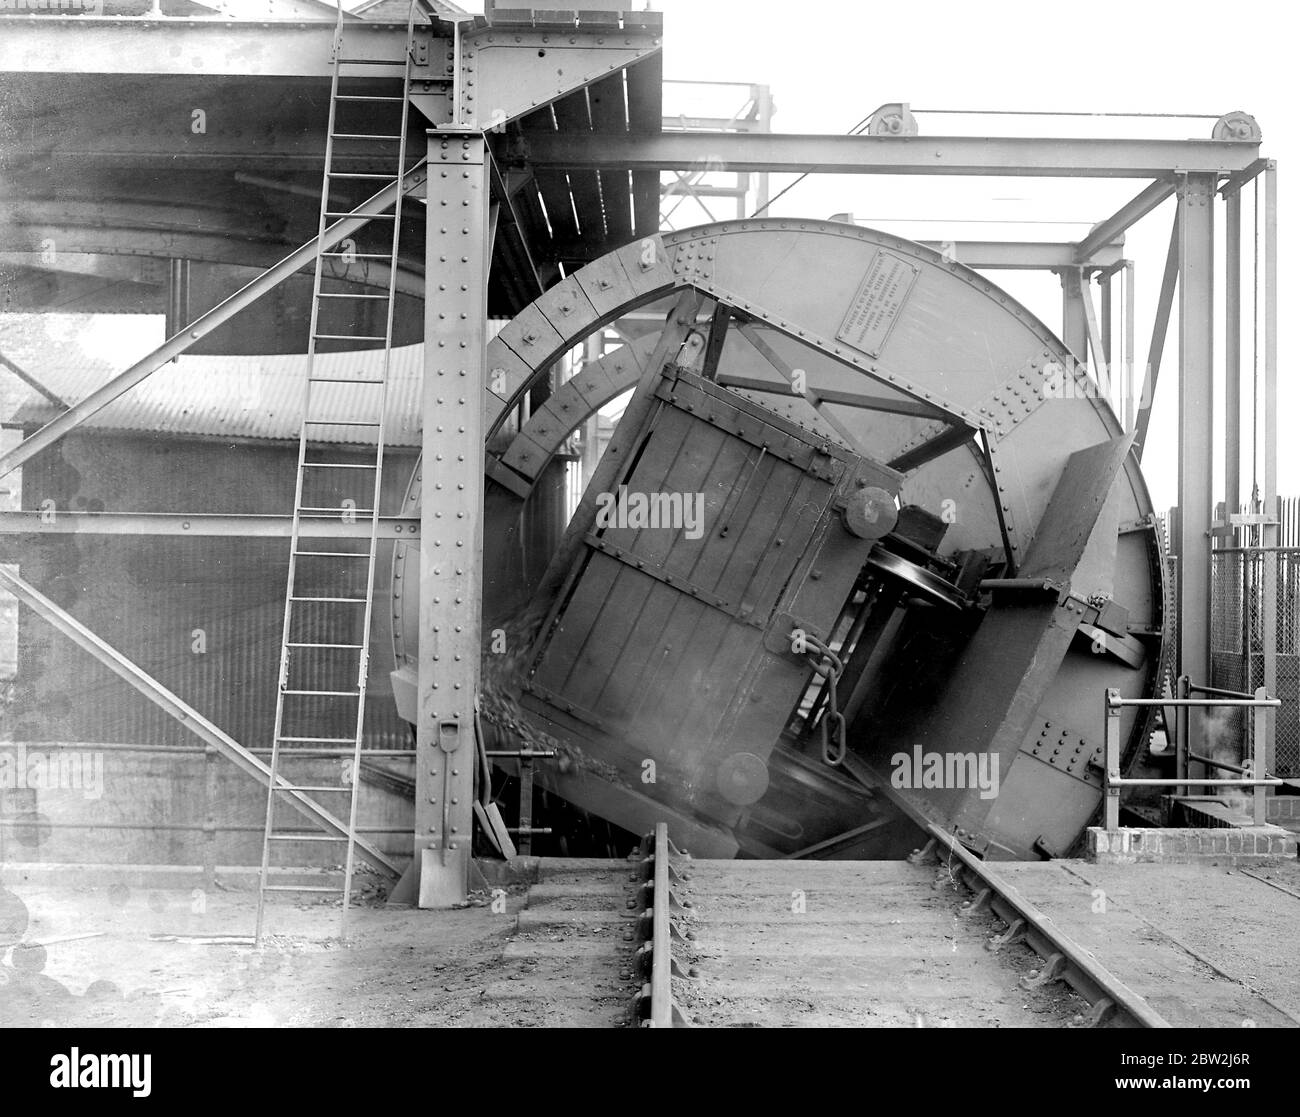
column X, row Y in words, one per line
column 497, row 78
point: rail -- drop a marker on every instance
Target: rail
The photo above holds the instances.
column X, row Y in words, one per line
column 1112, row 1001
column 656, row 999
column 1260, row 703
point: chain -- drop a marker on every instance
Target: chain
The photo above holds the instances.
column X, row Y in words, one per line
column 830, row 667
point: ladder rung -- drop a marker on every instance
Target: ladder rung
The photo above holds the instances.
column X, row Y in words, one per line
column 373, row 216
column 301, row 888
column 351, row 337
column 284, row 788
column 334, row 554
column 360, row 255
column 325, row 693
column 373, row 61
column 354, row 647
column 364, row 136
column 319, row 740
column 347, row 295
column 361, row 175
column 338, row 465
column 303, row 838
column 355, row 511
column 349, row 600
column 355, row 97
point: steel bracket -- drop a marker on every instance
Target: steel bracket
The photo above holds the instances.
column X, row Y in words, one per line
column 1052, row 970
column 1065, row 751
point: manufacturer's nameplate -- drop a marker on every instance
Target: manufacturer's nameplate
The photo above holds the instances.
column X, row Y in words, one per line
column 880, row 298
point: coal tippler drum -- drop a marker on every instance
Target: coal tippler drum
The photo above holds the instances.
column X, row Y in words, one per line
column 891, row 459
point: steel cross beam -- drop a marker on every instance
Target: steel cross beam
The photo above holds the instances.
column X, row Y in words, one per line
column 184, row 713
column 1029, row 255
column 203, row 325
column 203, row 524
column 921, row 155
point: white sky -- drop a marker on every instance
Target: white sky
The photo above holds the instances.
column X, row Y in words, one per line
column 831, row 62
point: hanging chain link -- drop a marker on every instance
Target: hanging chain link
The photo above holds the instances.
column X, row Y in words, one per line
column 830, row 667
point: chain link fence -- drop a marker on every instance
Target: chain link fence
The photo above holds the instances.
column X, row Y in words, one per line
column 1240, row 578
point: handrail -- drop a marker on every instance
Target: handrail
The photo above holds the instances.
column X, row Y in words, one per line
column 1113, row 782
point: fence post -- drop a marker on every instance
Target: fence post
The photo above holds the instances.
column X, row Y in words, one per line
column 1111, row 789
column 1259, row 763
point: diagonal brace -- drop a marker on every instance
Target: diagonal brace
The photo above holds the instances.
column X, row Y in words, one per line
column 206, row 323
column 189, row 717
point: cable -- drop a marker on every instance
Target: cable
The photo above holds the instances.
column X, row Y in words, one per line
column 854, row 131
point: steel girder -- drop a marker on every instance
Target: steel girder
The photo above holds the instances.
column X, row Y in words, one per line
column 922, row 155
column 504, row 72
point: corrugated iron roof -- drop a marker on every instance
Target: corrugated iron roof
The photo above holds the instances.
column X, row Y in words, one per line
column 238, row 397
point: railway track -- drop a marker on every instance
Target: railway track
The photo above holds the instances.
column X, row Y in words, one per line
column 825, row 943
column 941, row 939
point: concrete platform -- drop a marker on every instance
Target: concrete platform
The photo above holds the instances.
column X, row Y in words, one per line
column 1205, row 946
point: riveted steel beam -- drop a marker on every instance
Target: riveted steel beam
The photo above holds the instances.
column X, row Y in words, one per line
column 451, row 514
column 1028, row 255
column 927, row 155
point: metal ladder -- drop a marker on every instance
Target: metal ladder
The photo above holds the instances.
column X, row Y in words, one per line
column 327, row 618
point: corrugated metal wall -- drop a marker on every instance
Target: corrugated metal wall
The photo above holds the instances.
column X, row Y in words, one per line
column 202, row 616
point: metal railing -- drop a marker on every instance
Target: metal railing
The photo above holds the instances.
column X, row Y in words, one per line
column 1259, row 703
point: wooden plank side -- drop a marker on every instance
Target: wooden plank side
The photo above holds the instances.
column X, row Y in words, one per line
column 718, row 487
column 576, row 621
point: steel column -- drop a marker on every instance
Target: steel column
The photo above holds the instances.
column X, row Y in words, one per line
column 1271, row 507
column 1195, row 425
column 1107, row 332
column 1074, row 318
column 451, row 512
column 1232, row 354
column 1098, row 341
column 1130, row 368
